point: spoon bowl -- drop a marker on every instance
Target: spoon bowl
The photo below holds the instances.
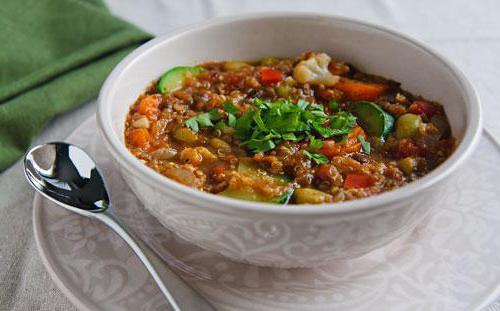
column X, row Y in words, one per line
column 68, row 176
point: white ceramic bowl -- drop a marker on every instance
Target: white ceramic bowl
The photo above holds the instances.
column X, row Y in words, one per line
column 293, row 235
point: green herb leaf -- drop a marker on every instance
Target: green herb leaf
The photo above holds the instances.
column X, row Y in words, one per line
column 284, row 178
column 231, row 120
column 302, row 104
column 285, row 197
column 289, row 136
column 364, row 144
column 214, row 114
column 259, row 145
column 202, row 120
column 327, row 132
column 316, row 107
column 261, row 103
column 334, row 106
column 243, row 125
column 287, row 122
column 260, row 123
column 342, row 120
column 192, row 124
column 316, row 157
column 230, row 108
column 315, row 143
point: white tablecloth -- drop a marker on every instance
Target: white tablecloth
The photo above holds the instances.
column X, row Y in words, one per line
column 468, row 32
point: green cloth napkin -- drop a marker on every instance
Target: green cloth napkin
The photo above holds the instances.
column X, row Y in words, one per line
column 54, row 56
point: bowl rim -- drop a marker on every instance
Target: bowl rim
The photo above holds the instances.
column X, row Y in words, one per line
column 185, row 193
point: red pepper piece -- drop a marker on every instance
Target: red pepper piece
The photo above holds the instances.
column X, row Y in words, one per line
column 270, row 76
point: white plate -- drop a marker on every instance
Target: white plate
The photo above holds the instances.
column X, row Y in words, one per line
column 450, row 262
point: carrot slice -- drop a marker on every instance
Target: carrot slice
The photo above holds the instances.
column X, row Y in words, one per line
column 148, row 106
column 358, row 90
column 331, row 148
column 357, row 181
column 139, row 138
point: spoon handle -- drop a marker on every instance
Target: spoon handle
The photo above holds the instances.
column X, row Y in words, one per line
column 113, row 223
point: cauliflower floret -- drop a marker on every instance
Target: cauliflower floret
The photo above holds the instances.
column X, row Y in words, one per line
column 314, row 70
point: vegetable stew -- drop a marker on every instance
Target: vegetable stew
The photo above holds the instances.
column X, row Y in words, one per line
column 287, row 131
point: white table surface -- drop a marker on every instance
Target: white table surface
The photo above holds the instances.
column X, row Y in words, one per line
column 468, row 32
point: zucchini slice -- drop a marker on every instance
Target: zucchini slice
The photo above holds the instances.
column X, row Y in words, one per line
column 246, row 192
column 173, row 79
column 247, row 166
column 373, row 119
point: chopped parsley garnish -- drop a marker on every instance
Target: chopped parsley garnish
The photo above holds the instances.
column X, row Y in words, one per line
column 263, row 128
column 364, row 144
column 202, row 120
column 316, row 157
column 268, row 124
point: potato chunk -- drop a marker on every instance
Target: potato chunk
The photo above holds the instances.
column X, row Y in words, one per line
column 311, row 196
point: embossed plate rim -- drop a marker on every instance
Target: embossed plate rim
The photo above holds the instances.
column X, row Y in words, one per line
column 48, row 262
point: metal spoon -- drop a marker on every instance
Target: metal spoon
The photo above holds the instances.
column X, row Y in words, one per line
column 68, row 176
